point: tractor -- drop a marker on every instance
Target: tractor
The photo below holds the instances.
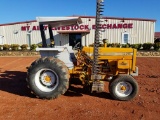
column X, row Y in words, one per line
column 48, row 77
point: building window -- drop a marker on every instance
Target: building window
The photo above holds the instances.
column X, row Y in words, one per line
column 125, row 38
column 1, row 40
column 75, row 39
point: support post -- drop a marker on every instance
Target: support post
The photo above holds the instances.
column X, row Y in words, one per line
column 52, row 43
column 44, row 44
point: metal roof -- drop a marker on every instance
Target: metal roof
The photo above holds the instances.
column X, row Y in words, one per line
column 118, row 18
column 59, row 21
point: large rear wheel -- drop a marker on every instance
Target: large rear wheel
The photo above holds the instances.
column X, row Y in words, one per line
column 48, row 78
column 123, row 87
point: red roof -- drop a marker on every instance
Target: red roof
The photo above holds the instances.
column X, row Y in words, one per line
column 121, row 18
column 118, row 18
column 157, row 35
column 17, row 23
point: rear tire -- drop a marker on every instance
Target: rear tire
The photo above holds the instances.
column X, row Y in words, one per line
column 48, row 78
column 123, row 87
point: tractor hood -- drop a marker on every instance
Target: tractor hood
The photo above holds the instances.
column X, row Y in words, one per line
column 59, row 21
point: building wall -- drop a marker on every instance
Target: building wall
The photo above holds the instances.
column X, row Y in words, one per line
column 139, row 32
column 142, row 32
column 157, row 35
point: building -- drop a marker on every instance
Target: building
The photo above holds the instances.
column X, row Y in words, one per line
column 116, row 30
column 157, row 35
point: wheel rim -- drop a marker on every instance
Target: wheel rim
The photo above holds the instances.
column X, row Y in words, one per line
column 46, row 80
column 123, row 89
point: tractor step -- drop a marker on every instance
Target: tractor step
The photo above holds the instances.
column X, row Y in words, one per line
column 98, row 86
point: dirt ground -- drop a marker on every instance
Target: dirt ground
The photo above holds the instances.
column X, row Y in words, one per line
column 17, row 103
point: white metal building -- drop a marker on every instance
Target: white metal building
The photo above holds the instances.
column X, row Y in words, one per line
column 116, row 30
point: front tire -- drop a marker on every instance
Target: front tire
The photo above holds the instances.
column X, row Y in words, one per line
column 123, row 87
column 48, row 78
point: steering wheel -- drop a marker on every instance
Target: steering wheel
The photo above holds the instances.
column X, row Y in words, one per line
column 76, row 47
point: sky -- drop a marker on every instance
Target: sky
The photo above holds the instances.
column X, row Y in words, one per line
column 24, row 10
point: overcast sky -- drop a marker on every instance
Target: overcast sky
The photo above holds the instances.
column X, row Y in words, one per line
column 23, row 10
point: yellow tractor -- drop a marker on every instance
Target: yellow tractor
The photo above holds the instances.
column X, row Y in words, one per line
column 48, row 77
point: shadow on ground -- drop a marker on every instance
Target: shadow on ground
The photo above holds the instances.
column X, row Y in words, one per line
column 76, row 89
column 15, row 82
